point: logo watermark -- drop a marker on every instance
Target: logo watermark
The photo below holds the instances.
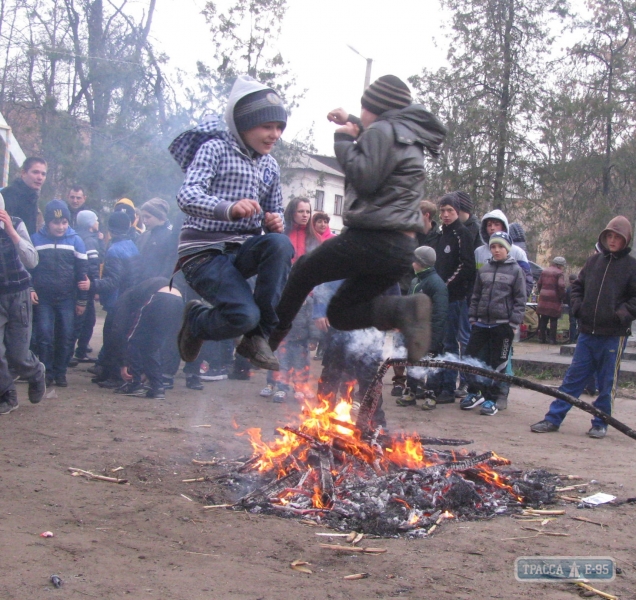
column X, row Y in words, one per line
column 565, row 568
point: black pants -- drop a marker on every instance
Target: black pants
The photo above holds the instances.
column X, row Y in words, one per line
column 369, row 261
column 157, row 324
column 492, row 346
column 84, row 325
column 543, row 325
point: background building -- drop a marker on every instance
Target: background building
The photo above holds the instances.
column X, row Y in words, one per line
column 320, row 179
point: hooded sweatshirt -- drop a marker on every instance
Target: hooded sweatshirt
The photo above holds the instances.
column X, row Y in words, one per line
column 221, row 170
column 483, row 254
column 604, row 295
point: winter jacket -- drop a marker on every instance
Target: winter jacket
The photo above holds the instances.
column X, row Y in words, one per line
column 63, row 264
column 499, row 295
column 127, row 310
column 603, row 297
column 483, row 254
column 15, row 259
column 220, row 170
column 22, row 201
column 158, row 251
column 455, row 262
column 430, row 283
column 473, row 226
column 431, row 238
column 121, row 268
column 551, row 289
column 93, row 251
column 384, row 169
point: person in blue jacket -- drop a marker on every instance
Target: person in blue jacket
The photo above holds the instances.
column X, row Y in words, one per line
column 63, row 265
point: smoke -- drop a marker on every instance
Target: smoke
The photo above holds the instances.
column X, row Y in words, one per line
column 368, row 346
column 424, row 372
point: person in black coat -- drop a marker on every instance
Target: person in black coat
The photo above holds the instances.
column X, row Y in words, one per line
column 21, row 197
column 455, row 264
column 158, row 244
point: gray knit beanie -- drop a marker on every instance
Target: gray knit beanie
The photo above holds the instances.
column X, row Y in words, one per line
column 157, row 207
column 425, row 256
column 264, row 106
column 559, row 261
column 85, row 219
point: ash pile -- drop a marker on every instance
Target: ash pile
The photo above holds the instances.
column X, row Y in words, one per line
column 334, row 472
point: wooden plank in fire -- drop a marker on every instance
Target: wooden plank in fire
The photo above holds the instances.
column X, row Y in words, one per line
column 460, row 465
column 272, row 489
column 369, row 403
column 327, row 488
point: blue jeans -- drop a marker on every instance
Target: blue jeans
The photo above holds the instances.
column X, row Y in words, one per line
column 594, row 354
column 222, row 281
column 455, row 341
column 55, row 323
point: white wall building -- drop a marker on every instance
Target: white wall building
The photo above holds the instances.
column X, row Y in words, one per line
column 320, row 179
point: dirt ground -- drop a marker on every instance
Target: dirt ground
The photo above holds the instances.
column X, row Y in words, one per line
column 146, row 540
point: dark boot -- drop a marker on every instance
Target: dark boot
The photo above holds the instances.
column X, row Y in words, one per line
column 411, row 315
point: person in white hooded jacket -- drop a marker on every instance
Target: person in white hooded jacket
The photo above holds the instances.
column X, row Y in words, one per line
column 233, row 228
column 494, row 221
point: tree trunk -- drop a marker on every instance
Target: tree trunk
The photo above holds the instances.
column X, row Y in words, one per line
column 499, row 191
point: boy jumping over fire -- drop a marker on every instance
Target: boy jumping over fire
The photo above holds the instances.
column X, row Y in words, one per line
column 232, row 196
column 382, row 155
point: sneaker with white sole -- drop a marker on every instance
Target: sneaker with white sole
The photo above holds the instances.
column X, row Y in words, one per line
column 213, row 375
column 267, row 391
column 279, row 397
column 597, row 432
column 488, row 408
column 471, row 401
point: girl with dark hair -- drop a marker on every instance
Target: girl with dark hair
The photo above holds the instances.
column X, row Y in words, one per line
column 299, row 227
column 293, row 354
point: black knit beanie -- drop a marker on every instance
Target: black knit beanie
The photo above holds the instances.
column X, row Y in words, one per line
column 119, row 223
column 386, row 93
column 264, row 106
column 451, row 199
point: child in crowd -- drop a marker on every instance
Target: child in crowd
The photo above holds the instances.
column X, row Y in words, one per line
column 146, row 319
column 87, row 227
column 16, row 253
column 232, row 196
column 603, row 299
column 63, row 265
column 120, row 273
column 496, row 308
column 428, row 282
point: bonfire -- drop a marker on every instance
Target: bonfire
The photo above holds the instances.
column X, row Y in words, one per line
column 334, row 472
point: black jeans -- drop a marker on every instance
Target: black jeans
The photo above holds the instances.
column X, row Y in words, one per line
column 543, row 325
column 492, row 346
column 369, row 261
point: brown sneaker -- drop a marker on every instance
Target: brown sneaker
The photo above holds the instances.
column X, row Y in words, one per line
column 189, row 345
column 259, row 353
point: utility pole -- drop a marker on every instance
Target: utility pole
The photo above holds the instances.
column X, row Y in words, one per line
column 367, row 75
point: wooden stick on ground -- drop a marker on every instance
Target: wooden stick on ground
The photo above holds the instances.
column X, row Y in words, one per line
column 89, row 475
column 589, row 588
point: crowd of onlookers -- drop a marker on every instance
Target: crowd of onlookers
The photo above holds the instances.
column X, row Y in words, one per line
column 71, row 261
